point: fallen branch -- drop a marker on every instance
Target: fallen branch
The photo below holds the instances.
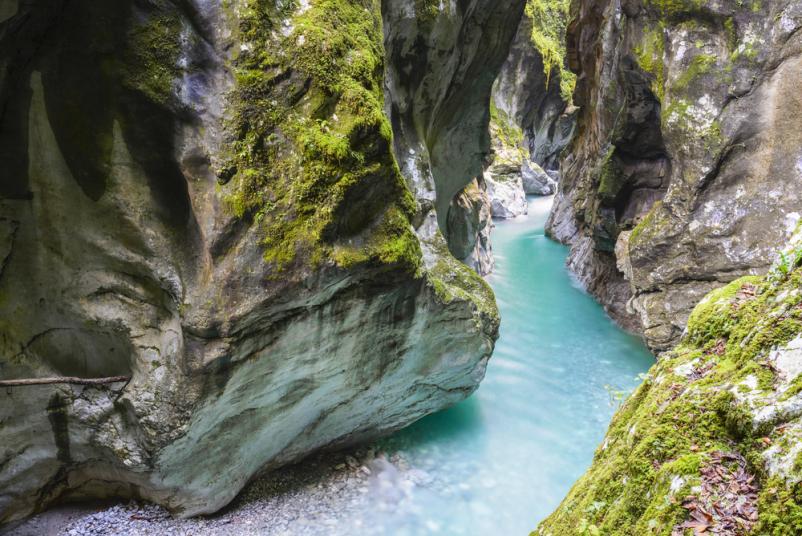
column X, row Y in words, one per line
column 63, row 379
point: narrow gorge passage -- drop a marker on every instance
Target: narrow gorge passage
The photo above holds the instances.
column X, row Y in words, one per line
column 502, row 460
column 497, row 463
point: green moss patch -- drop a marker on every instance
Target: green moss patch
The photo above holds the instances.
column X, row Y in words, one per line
column 310, row 160
column 611, row 178
column 650, row 56
column 690, row 409
column 549, row 23
column 150, row 63
column 675, row 9
column 453, row 280
column 508, row 138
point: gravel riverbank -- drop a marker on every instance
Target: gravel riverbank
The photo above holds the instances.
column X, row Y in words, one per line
column 328, row 494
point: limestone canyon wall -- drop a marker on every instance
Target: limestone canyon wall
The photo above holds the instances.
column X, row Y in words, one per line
column 232, row 206
column 684, row 174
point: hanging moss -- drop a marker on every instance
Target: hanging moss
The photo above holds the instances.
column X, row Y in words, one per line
column 505, row 132
column 549, row 23
column 428, row 10
column 611, row 178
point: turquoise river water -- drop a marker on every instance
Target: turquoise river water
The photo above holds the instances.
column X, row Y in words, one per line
column 495, row 464
column 501, row 461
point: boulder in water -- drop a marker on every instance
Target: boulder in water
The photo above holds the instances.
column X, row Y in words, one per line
column 536, row 181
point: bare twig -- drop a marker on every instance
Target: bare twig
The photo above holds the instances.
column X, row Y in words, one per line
column 63, row 379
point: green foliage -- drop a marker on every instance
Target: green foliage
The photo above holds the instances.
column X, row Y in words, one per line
column 311, row 160
column 505, row 132
column 788, row 261
column 549, row 22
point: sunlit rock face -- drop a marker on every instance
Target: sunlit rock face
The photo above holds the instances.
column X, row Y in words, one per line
column 685, row 172
column 537, row 181
column 206, row 201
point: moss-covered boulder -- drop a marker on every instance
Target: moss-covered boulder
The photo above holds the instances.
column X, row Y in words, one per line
column 711, row 442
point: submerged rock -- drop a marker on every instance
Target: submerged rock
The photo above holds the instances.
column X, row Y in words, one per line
column 205, row 200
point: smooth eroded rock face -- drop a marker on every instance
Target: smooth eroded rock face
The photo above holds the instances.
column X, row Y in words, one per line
column 206, row 200
column 470, row 221
column 531, row 119
column 536, row 181
column 685, row 173
column 442, row 62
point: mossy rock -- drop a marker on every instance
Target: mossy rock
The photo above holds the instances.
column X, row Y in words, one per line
column 311, row 161
column 689, row 408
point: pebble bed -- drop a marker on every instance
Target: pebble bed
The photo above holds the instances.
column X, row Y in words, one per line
column 312, row 498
